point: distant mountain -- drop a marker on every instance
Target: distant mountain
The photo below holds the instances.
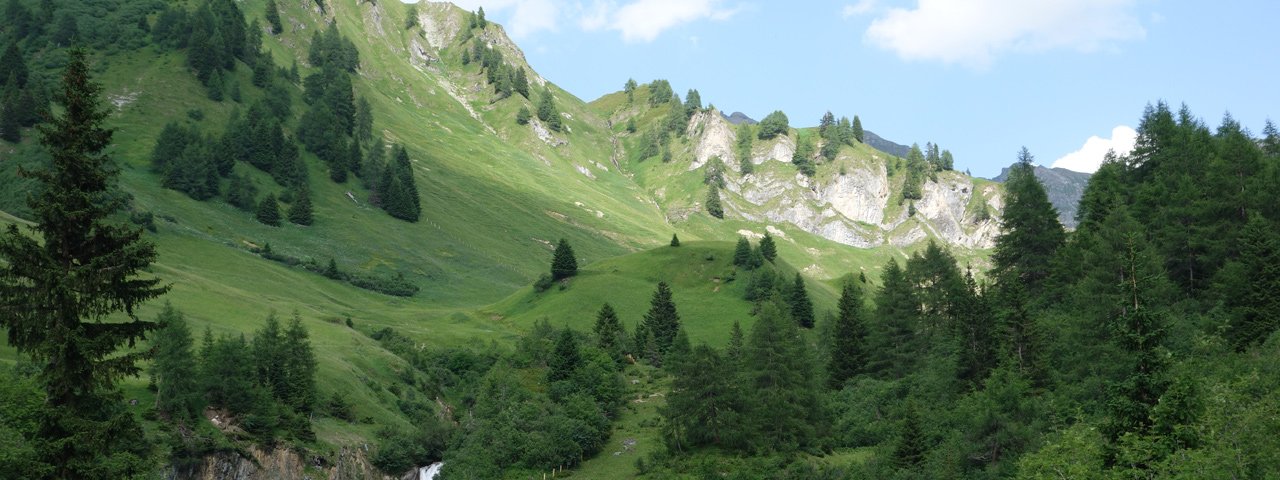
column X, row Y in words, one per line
column 1065, row 187
column 879, row 143
column 737, row 118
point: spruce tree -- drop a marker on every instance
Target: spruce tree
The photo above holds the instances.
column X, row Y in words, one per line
column 801, row 306
column 675, row 240
column 610, row 336
column 768, row 249
column 298, row 368
column 174, row 369
column 910, row 448
column 565, row 358
column 56, row 293
column 1030, row 232
column 784, row 411
column 742, row 252
column 563, row 262
column 857, row 129
column 268, row 212
column 713, row 201
column 300, row 211
column 273, row 18
column 849, row 345
column 662, row 320
column 893, row 349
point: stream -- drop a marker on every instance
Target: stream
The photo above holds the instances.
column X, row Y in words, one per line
column 430, row 472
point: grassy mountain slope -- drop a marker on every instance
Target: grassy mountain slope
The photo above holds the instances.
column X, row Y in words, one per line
column 495, row 197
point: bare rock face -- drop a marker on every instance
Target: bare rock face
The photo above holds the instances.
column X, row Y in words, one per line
column 350, row 463
column 852, row 208
column 717, row 139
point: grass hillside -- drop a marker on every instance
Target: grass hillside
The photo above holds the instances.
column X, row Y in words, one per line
column 707, row 289
column 495, row 197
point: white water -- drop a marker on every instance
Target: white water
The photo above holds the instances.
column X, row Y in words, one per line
column 430, row 472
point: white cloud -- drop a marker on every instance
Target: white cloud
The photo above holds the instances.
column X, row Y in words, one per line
column 974, row 32
column 855, row 9
column 645, row 20
column 1090, row 156
column 636, row 20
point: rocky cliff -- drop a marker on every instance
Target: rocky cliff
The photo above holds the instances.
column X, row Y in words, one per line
column 854, row 199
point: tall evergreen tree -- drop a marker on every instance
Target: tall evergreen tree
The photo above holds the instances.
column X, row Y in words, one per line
column 849, row 345
column 1030, row 232
column 300, row 211
column 743, row 149
column 742, row 252
column 692, row 103
column 857, row 129
column 298, row 367
column 894, row 349
column 174, row 370
column 268, row 212
column 768, row 249
column 610, row 336
column 910, row 449
column 273, row 18
column 713, row 201
column 675, row 240
column 56, row 293
column 662, row 320
column 778, row 372
column 565, row 358
column 801, row 306
column 563, row 262
column 703, row 407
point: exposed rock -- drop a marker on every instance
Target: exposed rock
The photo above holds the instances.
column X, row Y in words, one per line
column 717, row 139
column 349, row 463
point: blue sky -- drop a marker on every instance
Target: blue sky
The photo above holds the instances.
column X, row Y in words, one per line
column 1066, row 78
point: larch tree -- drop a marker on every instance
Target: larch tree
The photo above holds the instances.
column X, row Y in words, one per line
column 57, row 292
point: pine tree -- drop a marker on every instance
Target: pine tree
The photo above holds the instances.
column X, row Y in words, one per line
column 768, row 249
column 1030, row 232
column 849, row 345
column 802, row 158
column 910, row 448
column 610, row 335
column 273, row 18
column 675, row 240
column 268, row 212
column 713, row 201
column 825, row 125
column 522, row 115
column 733, row 353
column 857, row 129
column 174, row 369
column 564, row 359
column 10, row 123
column 298, row 368
column 241, row 193
column 742, row 252
column 893, row 349
column 692, row 103
column 300, row 211
column 563, row 262
column 778, row 372
column 662, row 320
column 743, row 149
column 801, row 306
column 1251, row 285
column 1139, row 332
column 56, row 293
